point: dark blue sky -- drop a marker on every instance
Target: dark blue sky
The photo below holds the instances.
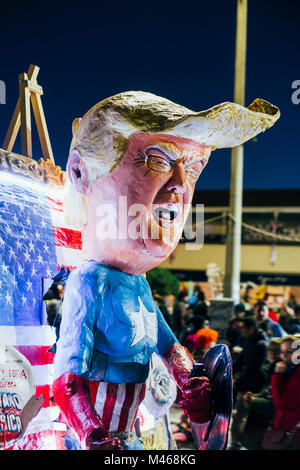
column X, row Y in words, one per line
column 184, row 51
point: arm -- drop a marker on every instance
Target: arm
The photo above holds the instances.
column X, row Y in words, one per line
column 196, row 392
column 71, row 366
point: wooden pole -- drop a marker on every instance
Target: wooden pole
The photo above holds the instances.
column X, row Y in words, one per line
column 233, row 243
column 26, row 143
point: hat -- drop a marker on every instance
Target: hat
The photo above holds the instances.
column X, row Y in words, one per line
column 224, row 125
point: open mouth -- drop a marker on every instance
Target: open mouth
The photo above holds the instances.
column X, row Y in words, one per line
column 165, row 213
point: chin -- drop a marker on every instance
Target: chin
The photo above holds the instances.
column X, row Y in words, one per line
column 161, row 234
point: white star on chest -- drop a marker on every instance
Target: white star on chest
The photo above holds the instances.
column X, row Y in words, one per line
column 145, row 323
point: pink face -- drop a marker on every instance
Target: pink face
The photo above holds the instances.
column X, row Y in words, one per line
column 143, row 201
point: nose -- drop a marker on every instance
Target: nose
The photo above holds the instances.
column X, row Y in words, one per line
column 177, row 182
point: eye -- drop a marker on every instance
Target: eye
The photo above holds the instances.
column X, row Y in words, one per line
column 193, row 171
column 157, row 163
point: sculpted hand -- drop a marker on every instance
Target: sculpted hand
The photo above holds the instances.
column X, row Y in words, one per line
column 197, row 399
column 99, row 439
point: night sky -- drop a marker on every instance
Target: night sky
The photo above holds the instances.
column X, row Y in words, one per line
column 184, row 51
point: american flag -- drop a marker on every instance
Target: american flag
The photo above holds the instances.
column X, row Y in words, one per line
column 35, row 243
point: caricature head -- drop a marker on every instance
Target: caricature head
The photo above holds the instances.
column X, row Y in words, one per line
column 133, row 165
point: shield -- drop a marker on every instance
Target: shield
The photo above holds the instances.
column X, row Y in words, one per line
column 216, row 365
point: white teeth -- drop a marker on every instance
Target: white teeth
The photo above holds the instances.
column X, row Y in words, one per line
column 167, row 212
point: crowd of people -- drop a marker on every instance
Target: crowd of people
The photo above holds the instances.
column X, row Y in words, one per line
column 265, row 350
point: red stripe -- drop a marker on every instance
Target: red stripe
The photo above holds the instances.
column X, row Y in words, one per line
column 141, row 398
column 37, row 355
column 45, row 390
column 93, row 386
column 129, row 396
column 55, row 204
column 111, row 397
column 67, row 237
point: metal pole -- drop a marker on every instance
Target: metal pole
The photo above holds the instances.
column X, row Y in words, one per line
column 233, row 243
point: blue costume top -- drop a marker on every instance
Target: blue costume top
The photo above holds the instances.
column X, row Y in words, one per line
column 110, row 326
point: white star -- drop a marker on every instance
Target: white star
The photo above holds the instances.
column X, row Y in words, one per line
column 19, row 244
column 8, row 230
column 8, row 299
column 15, row 218
column 2, row 242
column 24, row 300
column 33, row 270
column 14, row 282
column 28, row 221
column 21, row 207
column 31, row 246
column 37, row 235
column 4, row 268
column 29, row 285
column 27, row 256
column 20, row 268
column 48, row 273
column 46, row 248
column 40, row 259
column 12, row 254
column 35, row 210
column 145, row 323
column 43, row 223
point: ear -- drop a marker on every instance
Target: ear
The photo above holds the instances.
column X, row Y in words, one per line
column 77, row 172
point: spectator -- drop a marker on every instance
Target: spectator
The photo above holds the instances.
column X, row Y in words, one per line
column 233, row 334
column 206, row 338
column 198, row 295
column 161, row 303
column 285, row 387
column 294, row 324
column 179, row 313
column 247, row 368
column 261, row 313
column 256, row 411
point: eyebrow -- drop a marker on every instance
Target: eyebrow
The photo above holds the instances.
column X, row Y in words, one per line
column 171, row 154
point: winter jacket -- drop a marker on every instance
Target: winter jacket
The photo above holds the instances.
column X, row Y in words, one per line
column 285, row 390
column 249, row 364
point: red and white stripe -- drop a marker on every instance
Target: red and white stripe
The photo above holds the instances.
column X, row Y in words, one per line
column 117, row 404
column 68, row 242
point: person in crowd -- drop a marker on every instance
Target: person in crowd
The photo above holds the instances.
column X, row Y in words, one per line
column 233, row 333
column 294, row 324
column 247, row 368
column 256, row 410
column 285, row 388
column 288, row 319
column 161, row 304
column 261, row 313
column 179, row 313
column 198, row 295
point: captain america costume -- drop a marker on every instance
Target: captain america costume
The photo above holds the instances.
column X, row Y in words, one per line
column 110, row 328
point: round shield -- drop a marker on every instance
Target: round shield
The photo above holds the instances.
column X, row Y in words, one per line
column 17, row 386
